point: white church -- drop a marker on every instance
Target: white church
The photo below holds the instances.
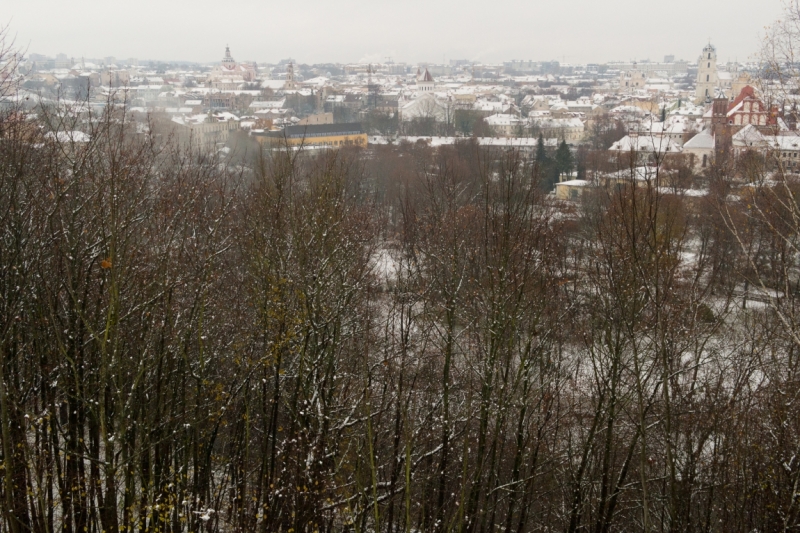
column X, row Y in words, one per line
column 230, row 75
column 425, row 103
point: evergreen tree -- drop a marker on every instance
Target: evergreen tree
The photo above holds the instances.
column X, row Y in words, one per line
column 580, row 162
column 547, row 168
column 564, row 161
column 541, row 153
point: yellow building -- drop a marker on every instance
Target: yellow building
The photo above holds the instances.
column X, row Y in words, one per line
column 315, row 136
column 571, row 190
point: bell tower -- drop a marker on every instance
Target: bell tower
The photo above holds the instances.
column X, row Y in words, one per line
column 425, row 83
column 228, row 61
column 707, row 79
column 290, row 83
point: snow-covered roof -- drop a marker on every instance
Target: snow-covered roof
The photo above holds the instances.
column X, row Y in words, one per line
column 784, row 142
column 68, row 136
column 701, row 141
column 645, row 143
column 748, row 136
column 426, row 105
column 502, row 120
column 273, row 84
column 496, row 142
column 271, row 104
column 628, row 109
column 85, row 66
column 486, row 106
column 223, row 116
column 557, row 123
column 642, row 173
column 693, row 193
column 319, row 81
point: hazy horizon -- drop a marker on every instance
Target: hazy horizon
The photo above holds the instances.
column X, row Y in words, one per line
column 352, row 31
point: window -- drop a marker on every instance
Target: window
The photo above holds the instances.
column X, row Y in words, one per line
column 707, row 77
column 709, row 64
column 705, row 160
column 709, row 55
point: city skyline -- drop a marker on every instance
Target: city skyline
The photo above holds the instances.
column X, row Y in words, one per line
column 355, row 32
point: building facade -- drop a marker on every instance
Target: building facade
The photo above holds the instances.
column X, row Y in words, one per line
column 315, row 136
column 632, row 79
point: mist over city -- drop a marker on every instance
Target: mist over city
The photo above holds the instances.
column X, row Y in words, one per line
column 353, row 31
column 423, row 268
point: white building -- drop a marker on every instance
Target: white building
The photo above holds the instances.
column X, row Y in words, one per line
column 426, row 106
column 701, row 149
column 504, row 124
column 707, row 77
column 645, row 145
column 568, row 129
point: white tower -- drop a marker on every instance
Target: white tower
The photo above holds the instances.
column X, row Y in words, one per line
column 707, row 79
column 425, row 83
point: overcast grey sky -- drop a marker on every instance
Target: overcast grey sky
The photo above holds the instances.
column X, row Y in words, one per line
column 343, row 31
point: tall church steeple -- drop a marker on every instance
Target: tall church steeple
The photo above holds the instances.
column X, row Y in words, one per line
column 707, row 78
column 228, row 60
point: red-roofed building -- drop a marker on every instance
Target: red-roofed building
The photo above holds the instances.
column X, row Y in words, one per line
column 746, row 109
column 749, row 109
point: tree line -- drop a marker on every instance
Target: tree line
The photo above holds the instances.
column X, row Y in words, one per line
column 397, row 339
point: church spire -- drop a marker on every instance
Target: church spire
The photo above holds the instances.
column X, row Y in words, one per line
column 228, row 59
